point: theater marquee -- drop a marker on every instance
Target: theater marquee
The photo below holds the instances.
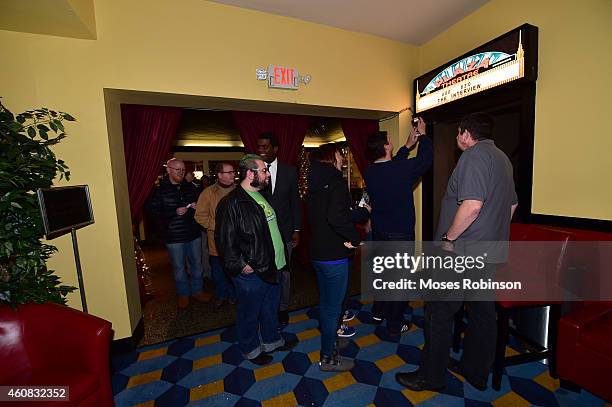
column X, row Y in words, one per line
column 511, row 57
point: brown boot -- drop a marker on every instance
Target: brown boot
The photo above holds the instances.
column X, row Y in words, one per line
column 183, row 301
column 202, row 296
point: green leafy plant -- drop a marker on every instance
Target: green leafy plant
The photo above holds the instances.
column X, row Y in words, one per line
column 27, row 163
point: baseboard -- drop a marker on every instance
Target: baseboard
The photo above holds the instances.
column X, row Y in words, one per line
column 130, row 343
column 574, row 223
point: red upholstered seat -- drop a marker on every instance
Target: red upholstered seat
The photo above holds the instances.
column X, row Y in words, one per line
column 550, row 260
column 54, row 345
column 599, row 336
column 548, row 263
column 584, row 350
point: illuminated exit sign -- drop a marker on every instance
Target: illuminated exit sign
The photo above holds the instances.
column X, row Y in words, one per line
column 282, row 77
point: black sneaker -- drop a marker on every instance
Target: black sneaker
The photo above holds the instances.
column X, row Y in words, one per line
column 283, row 319
column 289, row 344
column 335, row 363
column 405, row 328
column 261, row 359
column 348, row 316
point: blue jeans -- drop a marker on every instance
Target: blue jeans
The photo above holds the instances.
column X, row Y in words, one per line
column 333, row 281
column 192, row 252
column 256, row 311
column 224, row 288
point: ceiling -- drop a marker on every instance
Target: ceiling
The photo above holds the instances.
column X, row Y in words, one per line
column 411, row 21
column 216, row 128
column 64, row 18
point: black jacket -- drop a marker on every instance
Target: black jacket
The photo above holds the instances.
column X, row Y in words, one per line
column 329, row 214
column 166, row 198
column 285, row 200
column 243, row 237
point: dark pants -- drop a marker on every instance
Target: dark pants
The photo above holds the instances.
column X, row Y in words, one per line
column 256, row 314
column 285, row 280
column 224, row 288
column 392, row 311
column 478, row 342
column 332, row 279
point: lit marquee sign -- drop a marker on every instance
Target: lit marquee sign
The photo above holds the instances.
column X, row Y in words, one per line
column 498, row 62
column 281, row 77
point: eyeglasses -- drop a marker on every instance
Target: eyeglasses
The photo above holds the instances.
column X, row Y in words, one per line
column 264, row 170
column 177, row 169
column 227, row 172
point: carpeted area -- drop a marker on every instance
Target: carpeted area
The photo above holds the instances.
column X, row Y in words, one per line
column 164, row 322
column 208, row 370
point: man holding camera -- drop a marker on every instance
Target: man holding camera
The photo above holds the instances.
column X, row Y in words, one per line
column 390, row 181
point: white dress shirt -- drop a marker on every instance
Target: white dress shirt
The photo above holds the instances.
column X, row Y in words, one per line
column 273, row 168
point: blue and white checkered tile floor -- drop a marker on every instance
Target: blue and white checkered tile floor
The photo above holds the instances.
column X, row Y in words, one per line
column 208, row 370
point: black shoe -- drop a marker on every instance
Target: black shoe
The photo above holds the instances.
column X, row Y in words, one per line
column 283, row 318
column 289, row 344
column 405, row 328
column 455, row 367
column 414, row 382
column 342, row 343
column 335, row 363
column 261, row 359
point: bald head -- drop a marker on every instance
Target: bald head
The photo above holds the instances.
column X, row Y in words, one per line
column 176, row 170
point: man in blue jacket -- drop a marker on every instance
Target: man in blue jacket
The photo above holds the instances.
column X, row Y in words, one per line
column 390, row 181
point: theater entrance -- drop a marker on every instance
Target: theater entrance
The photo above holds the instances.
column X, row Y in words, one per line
column 497, row 78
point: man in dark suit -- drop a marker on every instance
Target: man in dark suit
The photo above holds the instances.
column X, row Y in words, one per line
column 282, row 194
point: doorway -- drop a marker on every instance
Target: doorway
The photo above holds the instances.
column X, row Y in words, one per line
column 512, row 108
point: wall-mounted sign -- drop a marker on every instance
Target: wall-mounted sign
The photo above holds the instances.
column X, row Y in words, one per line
column 281, row 77
column 508, row 58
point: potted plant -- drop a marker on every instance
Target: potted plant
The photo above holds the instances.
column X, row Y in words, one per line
column 27, row 163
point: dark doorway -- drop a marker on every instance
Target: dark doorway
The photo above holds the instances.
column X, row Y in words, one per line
column 512, row 108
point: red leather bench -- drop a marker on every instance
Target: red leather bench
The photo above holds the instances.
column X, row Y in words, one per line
column 584, row 348
column 53, row 345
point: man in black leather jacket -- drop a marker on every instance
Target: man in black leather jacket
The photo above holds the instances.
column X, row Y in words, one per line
column 173, row 204
column 251, row 245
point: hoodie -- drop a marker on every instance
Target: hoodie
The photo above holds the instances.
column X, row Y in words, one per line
column 329, row 214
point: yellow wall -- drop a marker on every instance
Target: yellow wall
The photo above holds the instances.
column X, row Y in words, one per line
column 191, row 47
column 194, row 47
column 573, row 128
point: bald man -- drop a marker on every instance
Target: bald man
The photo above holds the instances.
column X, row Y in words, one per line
column 173, row 203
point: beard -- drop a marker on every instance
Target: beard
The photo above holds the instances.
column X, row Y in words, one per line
column 256, row 183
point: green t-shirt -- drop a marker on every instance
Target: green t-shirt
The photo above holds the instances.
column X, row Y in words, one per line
column 277, row 240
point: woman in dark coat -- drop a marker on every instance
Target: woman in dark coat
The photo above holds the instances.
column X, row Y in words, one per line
column 333, row 239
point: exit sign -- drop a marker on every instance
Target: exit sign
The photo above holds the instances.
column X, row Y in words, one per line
column 282, row 77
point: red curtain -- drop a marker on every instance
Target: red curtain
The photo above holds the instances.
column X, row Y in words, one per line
column 148, row 132
column 357, row 132
column 290, row 130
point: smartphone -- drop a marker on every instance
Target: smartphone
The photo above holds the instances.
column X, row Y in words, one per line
column 365, row 199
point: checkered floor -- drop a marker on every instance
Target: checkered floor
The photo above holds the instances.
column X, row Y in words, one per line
column 208, row 370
